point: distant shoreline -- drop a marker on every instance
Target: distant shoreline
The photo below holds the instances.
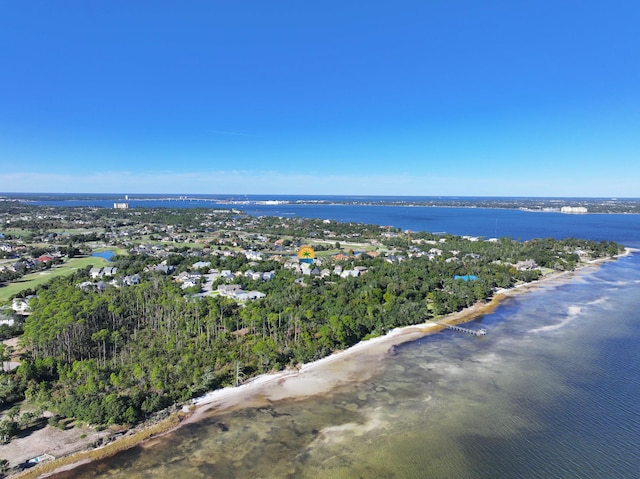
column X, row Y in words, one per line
column 307, row 380
column 596, row 205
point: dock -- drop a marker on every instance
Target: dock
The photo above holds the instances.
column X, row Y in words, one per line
column 473, row 332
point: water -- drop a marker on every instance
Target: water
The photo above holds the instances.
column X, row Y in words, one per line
column 105, row 254
column 551, row 391
column 487, row 222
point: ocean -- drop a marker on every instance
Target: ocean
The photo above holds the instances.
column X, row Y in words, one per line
column 551, row 392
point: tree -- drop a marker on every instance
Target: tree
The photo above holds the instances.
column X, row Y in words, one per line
column 4, row 467
column 13, row 413
column 8, row 429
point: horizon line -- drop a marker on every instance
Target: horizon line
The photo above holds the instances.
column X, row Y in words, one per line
column 306, row 195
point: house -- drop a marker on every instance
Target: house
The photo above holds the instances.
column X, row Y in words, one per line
column 109, row 271
column 227, row 275
column 394, row 258
column 190, row 283
column 235, row 291
column 24, row 264
column 268, row 276
column 350, row 272
column 249, row 295
column 184, row 276
column 256, row 276
column 21, row 305
column 188, row 277
column 164, row 268
column 229, row 290
column 131, row 280
column 253, row 255
column 201, row 265
column 85, row 285
column 7, row 321
column 291, row 264
column 527, row 265
column 100, row 286
column 100, row 272
column 95, row 272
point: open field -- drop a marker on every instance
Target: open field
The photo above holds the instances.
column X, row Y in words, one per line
column 74, row 231
column 16, row 232
column 32, row 280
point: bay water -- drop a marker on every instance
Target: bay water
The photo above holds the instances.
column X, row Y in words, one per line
column 487, row 222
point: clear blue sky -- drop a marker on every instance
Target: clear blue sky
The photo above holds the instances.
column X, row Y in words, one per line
column 429, row 97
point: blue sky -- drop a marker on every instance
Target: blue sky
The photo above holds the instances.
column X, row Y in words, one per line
column 431, row 97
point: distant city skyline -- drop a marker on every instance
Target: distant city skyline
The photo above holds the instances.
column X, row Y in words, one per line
column 438, row 98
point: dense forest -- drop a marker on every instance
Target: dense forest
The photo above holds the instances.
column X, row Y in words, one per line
column 117, row 356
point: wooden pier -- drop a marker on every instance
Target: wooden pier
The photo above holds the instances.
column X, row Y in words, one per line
column 473, row 332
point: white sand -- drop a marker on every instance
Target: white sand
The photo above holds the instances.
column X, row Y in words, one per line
column 49, row 440
column 311, row 379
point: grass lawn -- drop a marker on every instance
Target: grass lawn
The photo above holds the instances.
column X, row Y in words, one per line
column 75, row 231
column 15, row 232
column 32, row 280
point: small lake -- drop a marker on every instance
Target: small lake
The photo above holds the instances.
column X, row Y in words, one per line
column 105, row 254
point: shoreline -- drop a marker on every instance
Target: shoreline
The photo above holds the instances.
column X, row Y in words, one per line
column 340, row 368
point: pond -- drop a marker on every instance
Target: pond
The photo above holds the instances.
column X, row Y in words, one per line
column 105, row 254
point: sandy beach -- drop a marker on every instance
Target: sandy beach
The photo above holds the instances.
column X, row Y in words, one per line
column 320, row 377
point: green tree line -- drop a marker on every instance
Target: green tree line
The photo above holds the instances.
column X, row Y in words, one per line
column 123, row 354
